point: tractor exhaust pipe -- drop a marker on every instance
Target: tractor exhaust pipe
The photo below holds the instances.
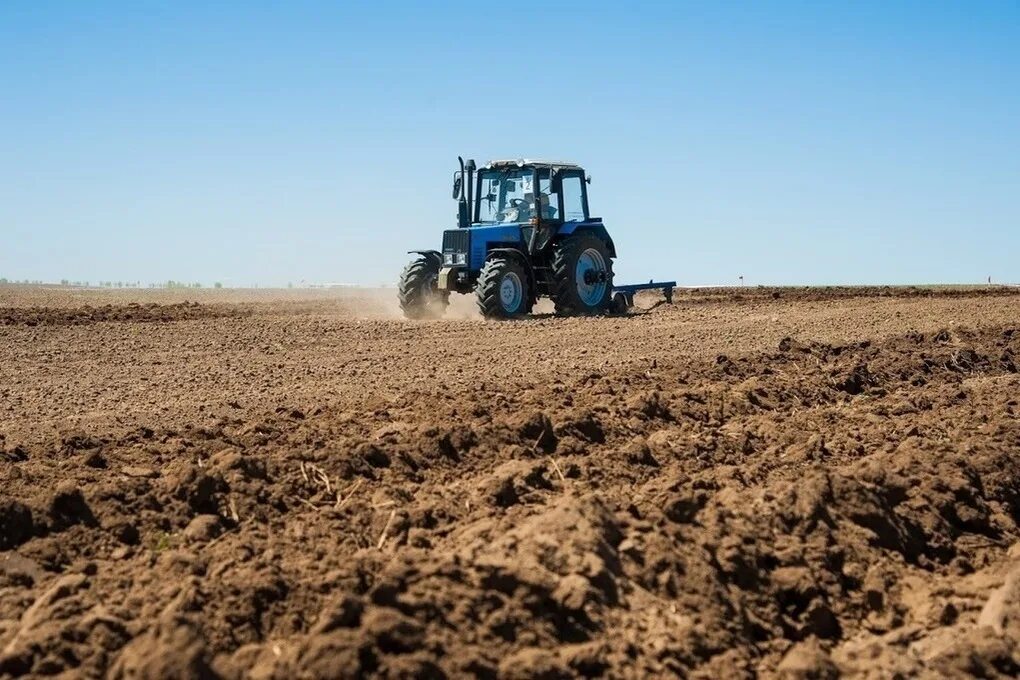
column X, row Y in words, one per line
column 462, row 206
column 470, row 180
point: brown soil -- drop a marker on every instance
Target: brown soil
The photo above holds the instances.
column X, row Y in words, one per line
column 794, row 485
column 134, row 312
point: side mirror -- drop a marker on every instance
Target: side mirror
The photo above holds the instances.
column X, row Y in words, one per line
column 458, row 181
column 587, row 179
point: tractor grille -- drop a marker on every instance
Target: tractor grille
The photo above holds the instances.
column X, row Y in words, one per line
column 456, row 241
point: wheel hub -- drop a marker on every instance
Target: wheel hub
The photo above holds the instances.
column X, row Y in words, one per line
column 511, row 292
column 591, row 277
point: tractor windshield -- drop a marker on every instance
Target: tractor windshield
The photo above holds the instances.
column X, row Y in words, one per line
column 509, row 195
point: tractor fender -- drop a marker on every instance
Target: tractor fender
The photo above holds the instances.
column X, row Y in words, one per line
column 596, row 229
column 525, row 262
column 432, row 255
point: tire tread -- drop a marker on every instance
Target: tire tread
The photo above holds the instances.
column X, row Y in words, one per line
column 409, row 291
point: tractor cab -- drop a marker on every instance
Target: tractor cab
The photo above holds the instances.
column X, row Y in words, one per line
column 523, row 191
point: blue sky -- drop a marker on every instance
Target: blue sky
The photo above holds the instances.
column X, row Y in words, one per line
column 788, row 142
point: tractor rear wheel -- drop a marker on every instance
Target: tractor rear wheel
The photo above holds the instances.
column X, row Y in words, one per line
column 502, row 288
column 583, row 275
column 418, row 292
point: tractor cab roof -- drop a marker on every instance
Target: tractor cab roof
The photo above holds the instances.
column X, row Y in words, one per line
column 531, row 162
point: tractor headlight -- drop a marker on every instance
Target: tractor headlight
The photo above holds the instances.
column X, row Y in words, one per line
column 454, row 258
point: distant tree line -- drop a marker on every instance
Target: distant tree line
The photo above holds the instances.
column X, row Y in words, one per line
column 170, row 283
column 112, row 284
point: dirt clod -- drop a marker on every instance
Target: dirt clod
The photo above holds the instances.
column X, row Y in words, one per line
column 16, row 525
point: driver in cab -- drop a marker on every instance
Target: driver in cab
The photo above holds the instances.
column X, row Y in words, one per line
column 528, row 208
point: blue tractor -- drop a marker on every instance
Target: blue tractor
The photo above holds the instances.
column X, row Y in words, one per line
column 524, row 232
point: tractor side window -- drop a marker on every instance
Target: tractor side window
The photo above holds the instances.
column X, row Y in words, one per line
column 573, row 204
column 549, row 201
column 488, row 198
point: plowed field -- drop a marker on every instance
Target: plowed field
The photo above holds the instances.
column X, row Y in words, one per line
column 275, row 484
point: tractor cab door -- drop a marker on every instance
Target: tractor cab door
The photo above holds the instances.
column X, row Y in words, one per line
column 572, row 195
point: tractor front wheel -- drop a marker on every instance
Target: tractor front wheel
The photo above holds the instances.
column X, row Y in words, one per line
column 583, row 275
column 502, row 289
column 418, row 292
